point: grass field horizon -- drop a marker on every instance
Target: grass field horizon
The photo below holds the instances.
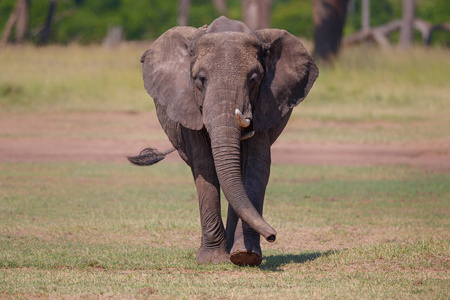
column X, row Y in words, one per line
column 112, row 230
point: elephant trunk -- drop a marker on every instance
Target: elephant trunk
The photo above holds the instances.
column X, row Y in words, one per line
column 225, row 134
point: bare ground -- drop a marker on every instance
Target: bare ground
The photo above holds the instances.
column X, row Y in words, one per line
column 110, row 137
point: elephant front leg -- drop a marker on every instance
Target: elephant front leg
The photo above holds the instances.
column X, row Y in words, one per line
column 243, row 241
column 213, row 248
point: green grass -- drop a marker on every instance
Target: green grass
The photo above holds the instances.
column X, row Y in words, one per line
column 75, row 78
column 71, row 229
column 375, row 96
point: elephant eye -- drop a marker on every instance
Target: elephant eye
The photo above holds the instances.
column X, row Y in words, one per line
column 200, row 81
column 255, row 77
column 254, row 84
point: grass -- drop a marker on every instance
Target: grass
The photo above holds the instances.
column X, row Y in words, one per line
column 344, row 232
column 393, row 96
column 79, row 230
column 75, row 78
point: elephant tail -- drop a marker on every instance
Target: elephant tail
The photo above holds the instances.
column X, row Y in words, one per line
column 149, row 156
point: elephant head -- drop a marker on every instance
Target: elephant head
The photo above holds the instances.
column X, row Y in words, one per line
column 231, row 81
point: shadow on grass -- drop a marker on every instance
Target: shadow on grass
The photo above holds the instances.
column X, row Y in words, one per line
column 275, row 262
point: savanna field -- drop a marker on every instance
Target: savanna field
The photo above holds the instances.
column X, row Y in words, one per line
column 88, row 224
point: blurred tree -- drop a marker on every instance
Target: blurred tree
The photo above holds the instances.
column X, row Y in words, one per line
column 407, row 25
column 22, row 20
column 20, row 17
column 184, row 8
column 45, row 34
column 432, row 27
column 257, row 13
column 329, row 20
column 294, row 16
column 85, row 21
column 183, row 12
column 221, row 6
column 365, row 15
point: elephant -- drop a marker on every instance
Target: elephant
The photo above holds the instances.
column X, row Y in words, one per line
column 223, row 94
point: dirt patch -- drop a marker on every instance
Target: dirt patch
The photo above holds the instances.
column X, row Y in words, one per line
column 331, row 153
column 110, row 137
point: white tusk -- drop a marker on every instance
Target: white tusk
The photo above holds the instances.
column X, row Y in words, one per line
column 247, row 135
column 241, row 120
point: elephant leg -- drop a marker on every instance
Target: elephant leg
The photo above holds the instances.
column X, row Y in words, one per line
column 213, row 248
column 243, row 241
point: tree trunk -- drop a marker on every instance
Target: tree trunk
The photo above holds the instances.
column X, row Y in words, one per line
column 19, row 16
column 257, row 13
column 22, row 20
column 407, row 27
column 221, row 6
column 365, row 15
column 45, row 34
column 183, row 12
column 329, row 19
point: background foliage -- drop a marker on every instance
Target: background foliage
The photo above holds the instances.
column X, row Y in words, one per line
column 88, row 21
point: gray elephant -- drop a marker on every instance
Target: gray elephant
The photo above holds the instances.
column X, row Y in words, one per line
column 223, row 94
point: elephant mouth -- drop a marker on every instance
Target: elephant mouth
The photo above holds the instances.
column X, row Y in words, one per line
column 247, row 134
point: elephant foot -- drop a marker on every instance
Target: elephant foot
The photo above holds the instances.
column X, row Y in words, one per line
column 246, row 249
column 207, row 256
column 246, row 252
column 246, row 257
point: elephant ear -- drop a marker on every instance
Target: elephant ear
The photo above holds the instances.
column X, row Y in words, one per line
column 166, row 73
column 290, row 74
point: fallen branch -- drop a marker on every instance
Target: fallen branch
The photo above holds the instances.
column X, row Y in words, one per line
column 380, row 34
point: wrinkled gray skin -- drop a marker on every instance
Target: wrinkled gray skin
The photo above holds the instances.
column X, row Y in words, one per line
column 198, row 78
